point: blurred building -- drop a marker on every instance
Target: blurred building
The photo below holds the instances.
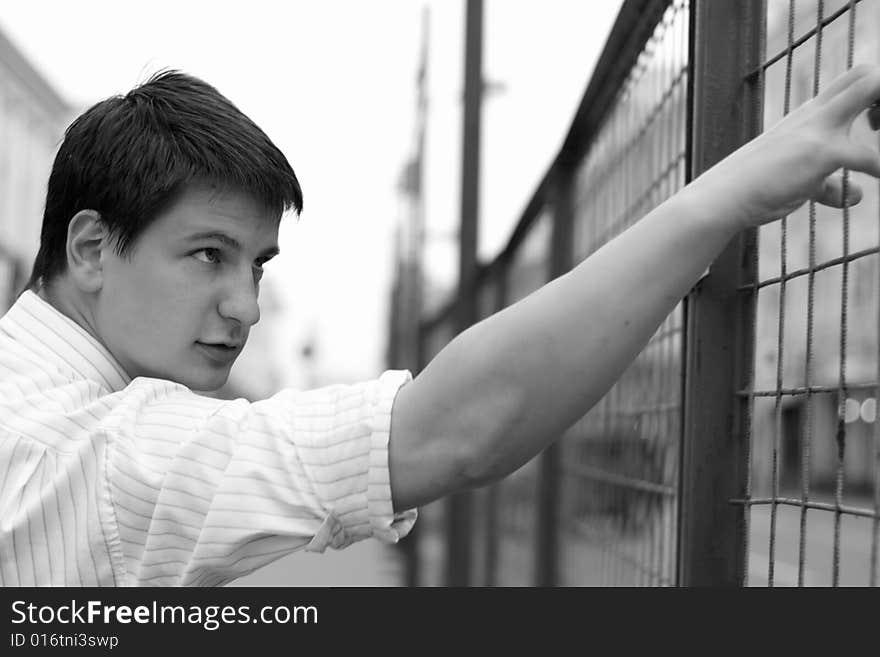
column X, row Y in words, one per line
column 851, row 312
column 33, row 117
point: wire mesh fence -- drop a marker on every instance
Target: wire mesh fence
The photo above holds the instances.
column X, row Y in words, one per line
column 813, row 494
column 619, row 463
column 516, row 496
column 742, row 446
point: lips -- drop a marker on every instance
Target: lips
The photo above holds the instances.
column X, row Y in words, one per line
column 220, row 352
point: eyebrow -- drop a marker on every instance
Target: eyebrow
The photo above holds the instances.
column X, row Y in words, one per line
column 231, row 242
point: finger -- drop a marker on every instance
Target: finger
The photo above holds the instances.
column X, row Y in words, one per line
column 833, row 194
column 857, row 97
column 843, row 81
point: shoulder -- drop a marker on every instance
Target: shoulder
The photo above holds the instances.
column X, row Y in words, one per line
column 148, row 401
column 333, row 404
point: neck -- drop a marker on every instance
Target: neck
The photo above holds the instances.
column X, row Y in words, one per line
column 70, row 302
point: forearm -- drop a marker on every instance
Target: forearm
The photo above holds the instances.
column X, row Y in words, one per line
column 503, row 389
column 542, row 363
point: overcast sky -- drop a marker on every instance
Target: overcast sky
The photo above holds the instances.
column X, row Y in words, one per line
column 332, row 82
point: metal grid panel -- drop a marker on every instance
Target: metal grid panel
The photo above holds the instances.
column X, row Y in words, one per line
column 620, row 462
column 814, row 489
column 516, row 495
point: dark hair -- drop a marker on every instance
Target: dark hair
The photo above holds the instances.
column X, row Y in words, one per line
column 130, row 157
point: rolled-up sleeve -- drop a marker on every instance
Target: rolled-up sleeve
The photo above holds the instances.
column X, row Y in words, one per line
column 203, row 491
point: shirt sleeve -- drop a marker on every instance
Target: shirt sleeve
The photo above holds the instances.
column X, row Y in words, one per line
column 203, row 491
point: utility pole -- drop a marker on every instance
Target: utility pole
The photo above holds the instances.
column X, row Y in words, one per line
column 409, row 318
column 459, row 510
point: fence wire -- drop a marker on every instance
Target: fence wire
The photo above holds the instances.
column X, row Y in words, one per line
column 514, row 500
column 813, row 494
column 807, row 415
column 620, row 462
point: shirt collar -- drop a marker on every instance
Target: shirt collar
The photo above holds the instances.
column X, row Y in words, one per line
column 44, row 330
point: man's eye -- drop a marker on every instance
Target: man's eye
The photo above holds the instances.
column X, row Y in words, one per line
column 209, row 255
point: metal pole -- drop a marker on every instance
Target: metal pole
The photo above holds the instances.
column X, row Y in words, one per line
column 725, row 48
column 417, row 218
column 492, row 494
column 459, row 517
column 547, row 509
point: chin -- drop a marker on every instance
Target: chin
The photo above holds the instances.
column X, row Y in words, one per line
column 207, row 382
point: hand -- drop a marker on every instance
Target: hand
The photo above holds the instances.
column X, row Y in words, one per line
column 794, row 160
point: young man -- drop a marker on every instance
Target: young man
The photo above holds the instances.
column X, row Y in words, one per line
column 161, row 209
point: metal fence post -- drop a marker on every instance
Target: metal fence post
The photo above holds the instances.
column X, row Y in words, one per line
column 458, row 543
column 725, row 47
column 547, row 508
column 492, row 498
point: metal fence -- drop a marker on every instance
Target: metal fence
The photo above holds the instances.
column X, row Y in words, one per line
column 742, row 447
column 814, row 493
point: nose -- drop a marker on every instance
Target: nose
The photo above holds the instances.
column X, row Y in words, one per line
column 240, row 303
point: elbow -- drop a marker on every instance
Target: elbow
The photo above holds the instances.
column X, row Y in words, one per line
column 491, row 452
column 475, row 467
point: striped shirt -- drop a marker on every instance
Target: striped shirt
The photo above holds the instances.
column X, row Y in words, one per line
column 107, row 481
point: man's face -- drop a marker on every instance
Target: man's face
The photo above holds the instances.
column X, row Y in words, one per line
column 180, row 303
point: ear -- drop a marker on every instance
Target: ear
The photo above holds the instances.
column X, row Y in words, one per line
column 87, row 238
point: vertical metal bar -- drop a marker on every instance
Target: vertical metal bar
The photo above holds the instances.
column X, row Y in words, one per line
column 408, row 348
column 665, row 156
column 668, row 149
column 413, row 552
column 807, row 434
column 682, row 145
column 654, row 181
column 609, row 563
column 547, row 508
column 780, row 337
column 659, row 137
column 459, row 505
column 725, row 46
column 844, row 303
column 492, row 495
column 749, row 316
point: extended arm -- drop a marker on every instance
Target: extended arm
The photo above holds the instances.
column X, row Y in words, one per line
column 501, row 391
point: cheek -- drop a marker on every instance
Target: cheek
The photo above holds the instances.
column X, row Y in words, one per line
column 155, row 305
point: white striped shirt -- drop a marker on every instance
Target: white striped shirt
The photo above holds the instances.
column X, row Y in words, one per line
column 107, row 481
